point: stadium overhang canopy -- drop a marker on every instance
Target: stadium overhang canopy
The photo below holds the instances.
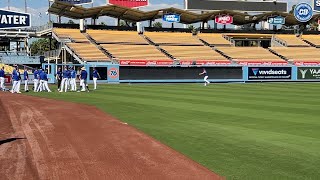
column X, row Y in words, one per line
column 135, row 15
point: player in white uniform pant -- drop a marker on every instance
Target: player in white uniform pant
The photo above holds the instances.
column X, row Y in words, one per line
column 26, row 79
column 64, row 82
column 16, row 80
column 204, row 72
column 35, row 80
column 95, row 76
column 2, row 73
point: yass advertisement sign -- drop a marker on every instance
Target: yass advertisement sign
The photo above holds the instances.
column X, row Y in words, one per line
column 269, row 73
column 171, row 17
column 12, row 19
column 276, row 20
column 224, row 19
column 130, row 3
column 308, row 73
column 76, row 2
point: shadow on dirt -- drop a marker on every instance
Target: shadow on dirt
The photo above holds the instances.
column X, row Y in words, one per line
column 9, row 140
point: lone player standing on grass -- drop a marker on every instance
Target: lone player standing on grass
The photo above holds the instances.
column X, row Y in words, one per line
column 26, row 79
column 95, row 75
column 204, row 72
column 2, row 88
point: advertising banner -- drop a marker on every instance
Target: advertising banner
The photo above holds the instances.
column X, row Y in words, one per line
column 253, row 63
column 308, row 73
column 145, row 63
column 269, row 73
column 12, row 19
column 130, row 3
column 171, row 17
column 224, row 19
column 276, row 20
column 316, row 5
column 76, row 2
column 113, row 73
column 303, row 12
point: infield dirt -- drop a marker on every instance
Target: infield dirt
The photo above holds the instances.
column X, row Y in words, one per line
column 62, row 140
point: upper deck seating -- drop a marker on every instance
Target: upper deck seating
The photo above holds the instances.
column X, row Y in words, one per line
column 109, row 36
column 73, row 34
column 169, row 38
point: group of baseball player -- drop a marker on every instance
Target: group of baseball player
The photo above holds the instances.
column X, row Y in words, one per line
column 67, row 79
column 40, row 81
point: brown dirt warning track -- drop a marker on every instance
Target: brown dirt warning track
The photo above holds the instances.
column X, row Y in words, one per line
column 62, row 140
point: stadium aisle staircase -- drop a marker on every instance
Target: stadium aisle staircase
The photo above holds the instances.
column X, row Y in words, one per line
column 301, row 54
column 250, row 54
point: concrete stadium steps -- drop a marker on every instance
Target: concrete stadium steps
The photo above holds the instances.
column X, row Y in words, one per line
column 249, row 54
column 305, row 54
column 291, row 40
column 313, row 40
column 169, row 38
column 88, row 52
column 213, row 39
column 135, row 52
column 193, row 53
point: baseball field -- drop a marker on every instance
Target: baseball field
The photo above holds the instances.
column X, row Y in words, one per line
column 239, row 131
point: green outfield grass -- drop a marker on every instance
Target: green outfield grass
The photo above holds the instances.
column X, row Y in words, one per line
column 240, row 131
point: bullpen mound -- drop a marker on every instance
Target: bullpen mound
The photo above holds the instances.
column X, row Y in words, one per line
column 61, row 140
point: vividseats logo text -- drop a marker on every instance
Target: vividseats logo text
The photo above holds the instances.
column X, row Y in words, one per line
column 258, row 73
column 12, row 19
column 305, row 73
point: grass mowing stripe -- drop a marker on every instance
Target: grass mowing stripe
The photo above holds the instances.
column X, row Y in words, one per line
column 234, row 102
column 259, row 131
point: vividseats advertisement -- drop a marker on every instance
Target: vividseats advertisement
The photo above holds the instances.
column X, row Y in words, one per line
column 308, row 73
column 269, row 73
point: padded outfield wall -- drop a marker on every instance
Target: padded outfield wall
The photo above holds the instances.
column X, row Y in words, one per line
column 113, row 73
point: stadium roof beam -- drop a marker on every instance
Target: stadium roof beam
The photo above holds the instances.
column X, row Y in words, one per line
column 135, row 15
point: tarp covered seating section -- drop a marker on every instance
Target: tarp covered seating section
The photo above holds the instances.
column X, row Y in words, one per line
column 187, row 17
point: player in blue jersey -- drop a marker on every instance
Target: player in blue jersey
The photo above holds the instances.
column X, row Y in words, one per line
column 45, row 80
column 2, row 73
column 95, row 76
column 35, row 79
column 26, row 79
column 40, row 85
column 205, row 74
column 16, row 79
column 73, row 83
column 83, row 79
column 64, row 82
column 59, row 78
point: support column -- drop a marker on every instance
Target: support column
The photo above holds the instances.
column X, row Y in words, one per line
column 150, row 23
column 59, row 19
column 266, row 25
column 139, row 27
column 81, row 22
column 205, row 25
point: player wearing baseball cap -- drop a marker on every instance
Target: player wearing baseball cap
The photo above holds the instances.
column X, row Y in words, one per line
column 2, row 73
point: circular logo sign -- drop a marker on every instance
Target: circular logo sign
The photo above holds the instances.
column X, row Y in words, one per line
column 303, row 12
column 113, row 73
